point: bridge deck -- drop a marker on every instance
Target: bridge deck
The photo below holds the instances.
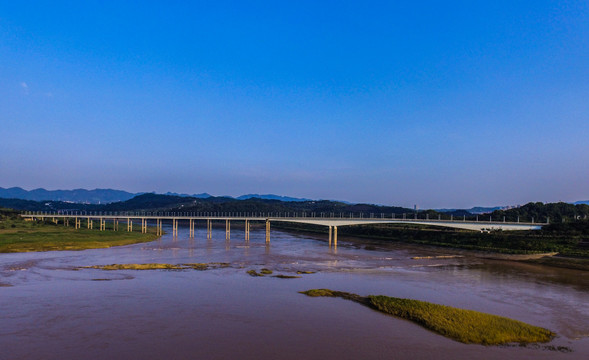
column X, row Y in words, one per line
column 323, row 221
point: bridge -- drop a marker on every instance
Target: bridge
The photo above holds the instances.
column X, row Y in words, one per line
column 331, row 221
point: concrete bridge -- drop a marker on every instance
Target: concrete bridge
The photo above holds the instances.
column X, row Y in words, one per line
column 332, row 222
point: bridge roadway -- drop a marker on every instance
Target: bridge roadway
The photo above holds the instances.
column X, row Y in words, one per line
column 331, row 222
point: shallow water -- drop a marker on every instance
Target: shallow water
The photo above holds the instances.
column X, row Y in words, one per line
column 50, row 310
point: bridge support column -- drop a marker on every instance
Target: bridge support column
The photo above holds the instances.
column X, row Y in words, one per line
column 129, row 225
column 174, row 227
column 116, row 224
column 144, row 226
column 102, row 224
column 191, row 229
column 267, row 231
column 66, row 222
column 330, row 228
column 247, row 230
column 158, row 227
column 335, row 236
column 227, row 229
column 209, row 229
column 89, row 223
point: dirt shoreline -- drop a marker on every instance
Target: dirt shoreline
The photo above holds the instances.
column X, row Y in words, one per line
column 547, row 259
column 552, row 259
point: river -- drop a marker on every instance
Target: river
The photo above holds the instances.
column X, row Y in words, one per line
column 50, row 309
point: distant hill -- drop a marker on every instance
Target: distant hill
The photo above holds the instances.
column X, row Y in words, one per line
column 107, row 196
column 96, row 196
column 540, row 212
column 150, row 202
column 270, row 197
column 473, row 210
column 586, row 202
column 198, row 196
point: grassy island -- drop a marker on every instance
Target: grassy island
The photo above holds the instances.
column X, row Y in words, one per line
column 466, row 326
column 157, row 266
column 18, row 235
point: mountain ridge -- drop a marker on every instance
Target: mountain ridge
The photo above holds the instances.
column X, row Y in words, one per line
column 271, row 197
column 95, row 196
column 107, row 196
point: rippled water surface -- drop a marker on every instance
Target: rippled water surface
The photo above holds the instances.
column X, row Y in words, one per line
column 50, row 309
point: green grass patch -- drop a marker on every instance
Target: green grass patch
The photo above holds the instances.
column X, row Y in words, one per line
column 51, row 238
column 264, row 272
column 254, row 273
column 466, row 326
column 23, row 235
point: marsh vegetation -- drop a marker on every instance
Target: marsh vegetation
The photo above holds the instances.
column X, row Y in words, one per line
column 466, row 326
column 157, row 266
column 264, row 271
column 18, row 235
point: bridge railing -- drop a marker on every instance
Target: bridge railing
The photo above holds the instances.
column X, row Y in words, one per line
column 416, row 216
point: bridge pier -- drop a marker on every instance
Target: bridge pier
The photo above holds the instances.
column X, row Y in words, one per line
column 191, row 229
column 335, row 236
column 267, row 231
column 144, row 226
column 174, row 228
column 247, row 230
column 227, row 229
column 89, row 223
column 102, row 224
column 329, row 241
column 158, row 227
column 129, row 225
column 209, row 229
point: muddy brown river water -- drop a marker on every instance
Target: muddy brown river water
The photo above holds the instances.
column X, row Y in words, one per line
column 50, row 310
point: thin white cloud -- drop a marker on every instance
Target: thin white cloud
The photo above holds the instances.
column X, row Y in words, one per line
column 25, row 87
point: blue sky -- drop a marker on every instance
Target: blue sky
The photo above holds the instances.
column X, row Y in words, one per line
column 434, row 103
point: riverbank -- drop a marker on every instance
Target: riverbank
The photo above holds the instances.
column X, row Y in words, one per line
column 562, row 262
column 465, row 243
column 42, row 237
column 18, row 235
